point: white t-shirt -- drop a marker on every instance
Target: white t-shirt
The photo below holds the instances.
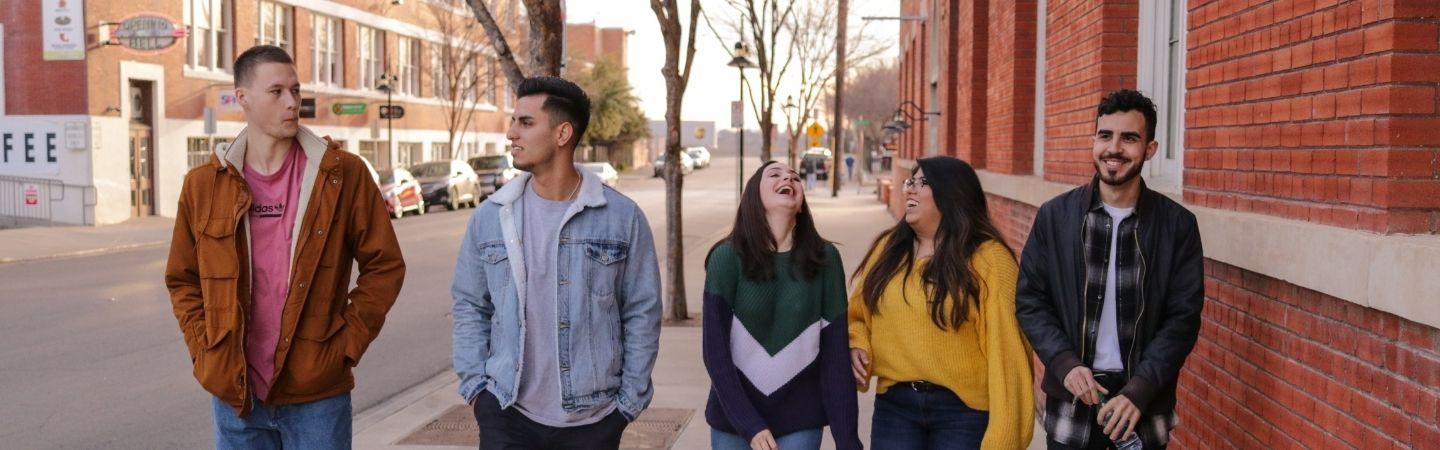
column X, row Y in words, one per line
column 1107, row 338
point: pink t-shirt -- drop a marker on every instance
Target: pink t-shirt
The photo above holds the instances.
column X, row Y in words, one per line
column 272, row 217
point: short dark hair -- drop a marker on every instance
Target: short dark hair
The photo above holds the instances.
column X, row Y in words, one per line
column 1126, row 100
column 247, row 62
column 564, row 101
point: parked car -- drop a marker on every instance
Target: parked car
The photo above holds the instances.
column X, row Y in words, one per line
column 607, row 172
column 451, row 183
column 701, row 155
column 494, row 171
column 371, row 168
column 401, row 192
column 818, row 163
column 687, row 164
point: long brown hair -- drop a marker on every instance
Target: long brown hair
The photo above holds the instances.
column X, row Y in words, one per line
column 753, row 243
column 964, row 226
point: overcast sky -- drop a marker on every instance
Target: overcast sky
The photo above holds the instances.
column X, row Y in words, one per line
column 713, row 85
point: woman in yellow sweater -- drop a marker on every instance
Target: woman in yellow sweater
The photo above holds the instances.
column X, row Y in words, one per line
column 932, row 318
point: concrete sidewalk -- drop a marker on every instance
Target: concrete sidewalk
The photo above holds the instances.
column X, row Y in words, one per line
column 681, row 384
column 39, row 243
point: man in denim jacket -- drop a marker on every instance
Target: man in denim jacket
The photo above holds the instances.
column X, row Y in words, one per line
column 557, row 309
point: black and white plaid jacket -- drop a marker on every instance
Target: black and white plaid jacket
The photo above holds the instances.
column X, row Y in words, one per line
column 1160, row 292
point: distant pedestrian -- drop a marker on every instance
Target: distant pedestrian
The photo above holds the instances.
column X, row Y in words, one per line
column 259, row 270
column 932, row 318
column 808, row 169
column 849, row 167
column 556, row 292
column 774, row 337
column 1111, row 286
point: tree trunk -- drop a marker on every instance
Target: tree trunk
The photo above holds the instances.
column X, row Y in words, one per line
column 675, row 83
column 547, row 36
column 838, row 126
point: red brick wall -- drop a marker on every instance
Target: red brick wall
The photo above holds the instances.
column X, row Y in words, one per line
column 1010, row 139
column 1317, row 111
column 25, row 92
column 1090, row 50
column 970, row 62
column 1279, row 366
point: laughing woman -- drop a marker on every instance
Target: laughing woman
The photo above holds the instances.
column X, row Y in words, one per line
column 775, row 340
column 933, row 319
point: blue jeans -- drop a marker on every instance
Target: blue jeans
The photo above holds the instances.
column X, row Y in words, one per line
column 321, row 424
column 934, row 418
column 799, row 440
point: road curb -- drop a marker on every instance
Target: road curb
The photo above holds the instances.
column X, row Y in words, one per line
column 90, row 252
column 384, row 410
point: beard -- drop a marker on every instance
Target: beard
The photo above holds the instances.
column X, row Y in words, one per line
column 1121, row 178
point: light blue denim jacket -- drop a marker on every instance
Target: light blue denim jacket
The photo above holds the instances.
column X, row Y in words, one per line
column 608, row 303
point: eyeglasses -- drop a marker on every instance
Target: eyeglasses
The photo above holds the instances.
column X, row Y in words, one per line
column 913, row 183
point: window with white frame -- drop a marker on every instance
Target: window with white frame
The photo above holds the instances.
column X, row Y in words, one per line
column 372, row 57
column 489, row 84
column 411, row 153
column 199, row 149
column 208, row 39
column 467, row 83
column 409, row 56
column 1161, row 76
column 326, row 40
column 276, row 26
column 440, row 73
column 440, row 151
column 376, row 153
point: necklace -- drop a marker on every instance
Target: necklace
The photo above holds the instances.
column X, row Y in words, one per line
column 574, row 191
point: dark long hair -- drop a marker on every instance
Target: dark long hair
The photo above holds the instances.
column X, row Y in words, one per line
column 753, row 243
column 964, row 225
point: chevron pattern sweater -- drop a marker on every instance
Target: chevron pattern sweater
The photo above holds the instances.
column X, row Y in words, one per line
column 777, row 351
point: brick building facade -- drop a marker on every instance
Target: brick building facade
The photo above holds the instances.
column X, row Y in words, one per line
column 118, row 112
column 1304, row 134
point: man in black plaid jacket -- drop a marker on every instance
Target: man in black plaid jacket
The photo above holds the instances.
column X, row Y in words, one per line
column 1111, row 286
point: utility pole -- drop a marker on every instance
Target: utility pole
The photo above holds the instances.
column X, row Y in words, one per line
column 838, row 125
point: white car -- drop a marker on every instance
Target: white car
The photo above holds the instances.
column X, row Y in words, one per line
column 701, row 155
column 605, row 171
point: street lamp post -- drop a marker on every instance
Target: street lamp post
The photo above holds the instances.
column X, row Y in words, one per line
column 790, row 118
column 387, row 85
column 740, row 62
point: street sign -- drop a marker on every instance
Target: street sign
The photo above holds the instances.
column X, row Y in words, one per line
column 307, row 108
column 815, row 131
column 392, row 112
column 700, row 133
column 862, row 121
column 737, row 115
column 345, row 109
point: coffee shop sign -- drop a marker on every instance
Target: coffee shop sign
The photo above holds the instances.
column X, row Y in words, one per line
column 145, row 32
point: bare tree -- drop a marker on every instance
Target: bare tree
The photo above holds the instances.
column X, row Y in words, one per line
column 546, row 37
column 813, row 30
column 870, row 99
column 667, row 12
column 766, row 22
column 455, row 63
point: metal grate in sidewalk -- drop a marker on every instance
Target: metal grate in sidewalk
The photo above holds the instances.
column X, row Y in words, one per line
column 657, row 428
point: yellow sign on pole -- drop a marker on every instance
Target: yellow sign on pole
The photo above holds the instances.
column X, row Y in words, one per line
column 815, row 131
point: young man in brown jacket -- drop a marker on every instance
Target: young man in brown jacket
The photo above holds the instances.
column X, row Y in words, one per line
column 259, row 270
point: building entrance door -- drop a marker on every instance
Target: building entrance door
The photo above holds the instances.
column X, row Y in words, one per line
column 142, row 151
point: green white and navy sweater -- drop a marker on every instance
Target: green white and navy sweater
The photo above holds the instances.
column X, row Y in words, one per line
column 777, row 351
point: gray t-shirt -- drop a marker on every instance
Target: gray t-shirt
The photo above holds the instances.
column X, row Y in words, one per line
column 1107, row 339
column 539, row 397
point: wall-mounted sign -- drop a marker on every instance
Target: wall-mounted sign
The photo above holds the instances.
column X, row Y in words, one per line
column 343, row 109
column 228, row 100
column 32, row 195
column 63, row 28
column 700, row 133
column 148, row 33
column 31, row 146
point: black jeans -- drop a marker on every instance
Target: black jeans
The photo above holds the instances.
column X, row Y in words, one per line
column 1113, row 382
column 509, row 429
